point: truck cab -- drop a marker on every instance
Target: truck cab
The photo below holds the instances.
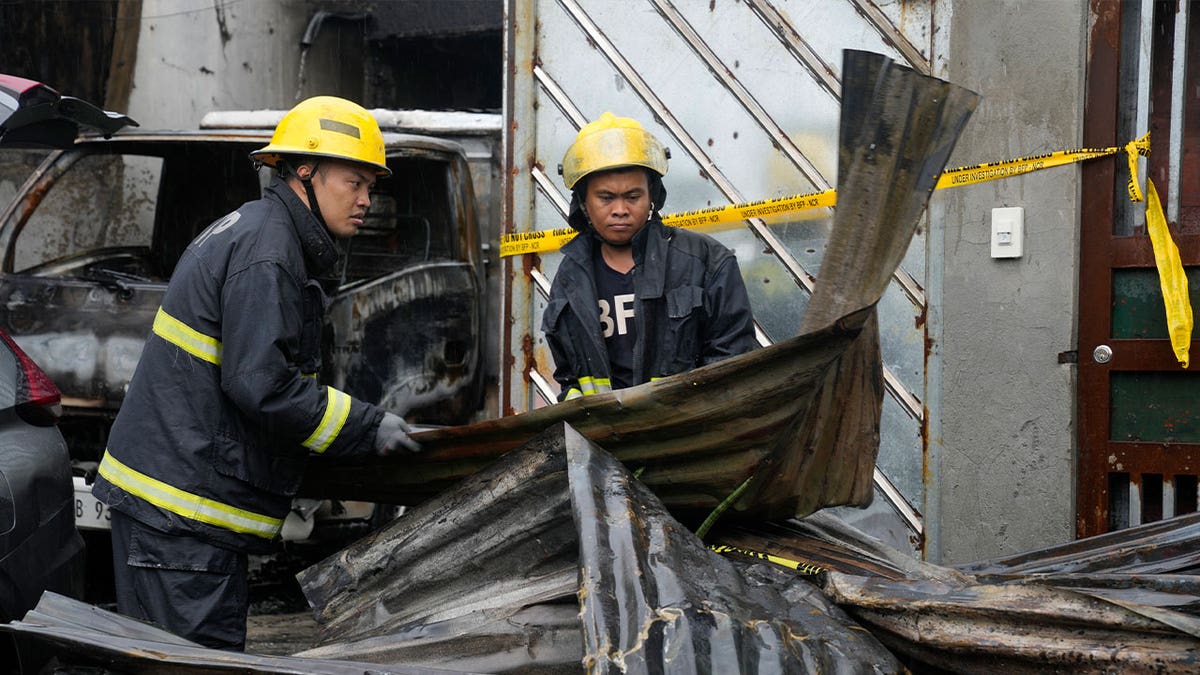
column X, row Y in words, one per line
column 89, row 243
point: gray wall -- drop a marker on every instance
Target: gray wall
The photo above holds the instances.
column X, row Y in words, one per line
column 1002, row 432
column 195, row 56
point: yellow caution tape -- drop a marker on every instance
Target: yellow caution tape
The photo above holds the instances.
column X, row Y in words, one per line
column 737, row 212
column 1171, row 277
column 542, row 241
column 969, row 175
column 803, row 568
column 537, row 241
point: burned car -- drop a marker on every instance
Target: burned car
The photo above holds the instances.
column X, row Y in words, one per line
column 91, row 239
column 40, row 547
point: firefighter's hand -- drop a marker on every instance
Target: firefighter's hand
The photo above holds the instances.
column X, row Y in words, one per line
column 392, row 436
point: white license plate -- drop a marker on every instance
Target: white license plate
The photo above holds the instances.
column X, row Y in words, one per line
column 90, row 513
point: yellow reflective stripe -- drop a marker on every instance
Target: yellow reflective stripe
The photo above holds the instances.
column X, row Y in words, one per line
column 573, row 393
column 594, row 385
column 187, row 504
column 337, row 410
column 187, row 338
column 309, row 376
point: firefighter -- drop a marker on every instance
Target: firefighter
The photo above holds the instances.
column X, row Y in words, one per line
column 634, row 300
column 211, row 441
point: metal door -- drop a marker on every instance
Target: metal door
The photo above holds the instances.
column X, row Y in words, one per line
column 747, row 97
column 1139, row 418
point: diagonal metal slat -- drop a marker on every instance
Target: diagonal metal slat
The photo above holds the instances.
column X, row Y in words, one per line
column 892, row 35
column 739, row 91
column 787, row 34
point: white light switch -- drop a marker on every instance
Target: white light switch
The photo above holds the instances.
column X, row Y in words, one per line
column 1008, row 232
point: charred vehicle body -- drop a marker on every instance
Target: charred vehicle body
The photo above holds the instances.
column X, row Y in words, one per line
column 93, row 236
column 40, row 547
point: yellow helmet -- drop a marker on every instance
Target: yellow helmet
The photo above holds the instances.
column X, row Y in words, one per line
column 327, row 126
column 612, row 142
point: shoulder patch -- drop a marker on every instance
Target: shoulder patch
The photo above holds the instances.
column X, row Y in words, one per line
column 218, row 227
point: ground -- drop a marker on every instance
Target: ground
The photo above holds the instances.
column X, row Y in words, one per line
column 280, row 634
column 280, row 622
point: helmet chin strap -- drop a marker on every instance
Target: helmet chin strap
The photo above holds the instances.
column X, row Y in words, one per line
column 308, row 189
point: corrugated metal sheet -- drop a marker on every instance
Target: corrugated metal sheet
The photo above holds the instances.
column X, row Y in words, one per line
column 557, row 556
column 1125, row 602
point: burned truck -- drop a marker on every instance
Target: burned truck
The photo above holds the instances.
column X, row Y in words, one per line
column 92, row 237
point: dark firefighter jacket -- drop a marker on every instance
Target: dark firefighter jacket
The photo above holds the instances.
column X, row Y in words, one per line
column 224, row 406
column 691, row 309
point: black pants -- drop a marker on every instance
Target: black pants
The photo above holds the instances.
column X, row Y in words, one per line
column 182, row 584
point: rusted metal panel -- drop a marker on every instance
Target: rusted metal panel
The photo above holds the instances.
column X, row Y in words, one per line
column 823, row 542
column 1164, row 547
column 1017, row 628
column 1153, row 457
column 417, row 594
column 652, row 599
column 1060, row 608
column 1099, row 130
column 1119, row 482
column 554, row 559
column 470, row 562
column 697, row 436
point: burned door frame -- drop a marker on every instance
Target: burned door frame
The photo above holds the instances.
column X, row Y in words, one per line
column 1128, row 482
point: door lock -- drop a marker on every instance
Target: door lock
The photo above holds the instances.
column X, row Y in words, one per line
column 1102, row 354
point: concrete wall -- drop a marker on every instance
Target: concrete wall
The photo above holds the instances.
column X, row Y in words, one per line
column 197, row 55
column 1002, row 433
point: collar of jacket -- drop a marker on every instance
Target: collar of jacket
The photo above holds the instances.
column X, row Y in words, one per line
column 320, row 251
column 650, row 246
column 650, row 256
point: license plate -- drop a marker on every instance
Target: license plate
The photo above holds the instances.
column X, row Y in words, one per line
column 90, row 513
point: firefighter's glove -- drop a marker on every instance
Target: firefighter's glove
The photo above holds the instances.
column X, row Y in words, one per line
column 392, row 436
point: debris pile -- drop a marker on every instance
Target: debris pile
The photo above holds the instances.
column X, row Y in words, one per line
column 557, row 556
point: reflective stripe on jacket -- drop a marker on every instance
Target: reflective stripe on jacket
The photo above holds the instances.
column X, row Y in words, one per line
column 223, row 409
column 689, row 296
